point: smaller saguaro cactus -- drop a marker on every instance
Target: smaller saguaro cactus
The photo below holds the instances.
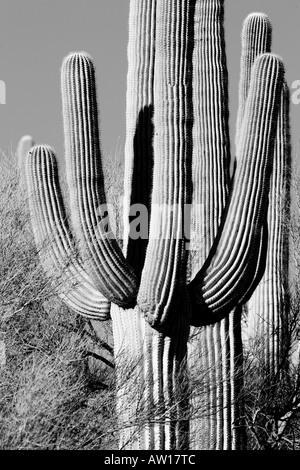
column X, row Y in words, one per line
column 178, row 101
column 25, row 144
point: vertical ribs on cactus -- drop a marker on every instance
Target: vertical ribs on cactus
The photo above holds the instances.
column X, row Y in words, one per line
column 267, row 307
column 106, row 264
column 223, row 281
column 177, row 153
column 139, row 124
column 220, row 427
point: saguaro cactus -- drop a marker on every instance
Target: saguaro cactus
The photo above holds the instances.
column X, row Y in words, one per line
column 176, row 56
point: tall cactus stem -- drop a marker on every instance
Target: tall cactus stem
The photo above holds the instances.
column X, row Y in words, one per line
column 163, row 274
column 211, row 143
column 139, row 127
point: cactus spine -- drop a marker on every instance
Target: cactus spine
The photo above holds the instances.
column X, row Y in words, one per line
column 153, row 303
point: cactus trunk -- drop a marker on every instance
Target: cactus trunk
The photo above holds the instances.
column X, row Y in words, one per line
column 152, row 386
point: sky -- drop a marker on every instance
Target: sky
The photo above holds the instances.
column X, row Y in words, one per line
column 35, row 36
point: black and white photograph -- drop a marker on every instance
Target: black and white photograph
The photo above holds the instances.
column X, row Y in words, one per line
column 149, row 228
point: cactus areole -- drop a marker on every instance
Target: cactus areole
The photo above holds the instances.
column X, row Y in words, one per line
column 177, row 166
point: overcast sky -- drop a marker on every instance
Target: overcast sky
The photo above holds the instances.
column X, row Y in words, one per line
column 35, row 35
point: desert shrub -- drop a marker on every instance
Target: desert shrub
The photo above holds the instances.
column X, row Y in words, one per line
column 272, row 400
column 49, row 398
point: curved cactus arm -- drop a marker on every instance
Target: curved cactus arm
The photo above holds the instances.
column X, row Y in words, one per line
column 223, row 282
column 211, row 143
column 267, row 306
column 139, row 128
column 256, row 40
column 100, row 251
column 165, row 261
column 53, row 239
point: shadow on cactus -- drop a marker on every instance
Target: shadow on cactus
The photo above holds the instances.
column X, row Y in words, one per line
column 177, row 159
